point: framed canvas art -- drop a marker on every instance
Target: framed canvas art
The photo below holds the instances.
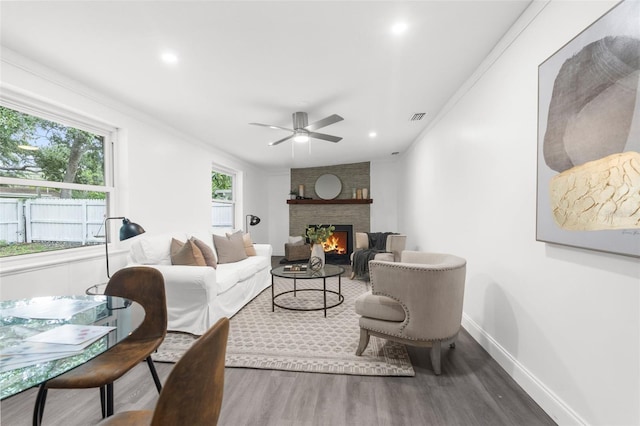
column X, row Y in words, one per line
column 588, row 180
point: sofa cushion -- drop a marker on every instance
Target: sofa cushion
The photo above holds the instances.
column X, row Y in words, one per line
column 186, row 253
column 230, row 249
column 207, row 252
column 244, row 269
column 226, row 277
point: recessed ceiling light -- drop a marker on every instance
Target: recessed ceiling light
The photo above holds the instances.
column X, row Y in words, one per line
column 372, row 134
column 169, row 58
column 399, row 28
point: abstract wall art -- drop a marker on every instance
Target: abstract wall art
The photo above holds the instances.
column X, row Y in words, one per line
column 588, row 180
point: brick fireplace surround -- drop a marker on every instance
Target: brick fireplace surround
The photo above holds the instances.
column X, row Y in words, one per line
column 355, row 175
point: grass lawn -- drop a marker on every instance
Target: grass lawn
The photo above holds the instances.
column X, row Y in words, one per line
column 14, row 249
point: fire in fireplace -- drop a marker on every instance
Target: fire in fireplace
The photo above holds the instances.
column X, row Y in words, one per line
column 339, row 246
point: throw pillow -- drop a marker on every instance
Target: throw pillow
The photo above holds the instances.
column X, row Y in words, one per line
column 248, row 244
column 207, row 252
column 186, row 254
column 175, row 246
column 296, row 240
column 230, row 248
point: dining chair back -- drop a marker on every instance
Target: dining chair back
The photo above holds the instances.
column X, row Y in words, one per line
column 192, row 394
column 140, row 284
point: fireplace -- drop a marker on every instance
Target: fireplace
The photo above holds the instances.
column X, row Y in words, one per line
column 339, row 246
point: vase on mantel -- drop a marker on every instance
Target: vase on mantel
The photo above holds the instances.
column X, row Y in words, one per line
column 317, row 252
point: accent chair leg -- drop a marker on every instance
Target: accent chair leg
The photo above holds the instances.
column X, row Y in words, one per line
column 452, row 345
column 364, row 341
column 38, row 410
column 435, row 357
column 154, row 374
column 353, row 275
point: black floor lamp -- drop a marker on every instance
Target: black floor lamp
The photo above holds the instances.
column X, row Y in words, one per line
column 251, row 220
column 127, row 230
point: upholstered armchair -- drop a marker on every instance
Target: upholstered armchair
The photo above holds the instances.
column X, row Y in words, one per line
column 297, row 249
column 417, row 301
column 394, row 246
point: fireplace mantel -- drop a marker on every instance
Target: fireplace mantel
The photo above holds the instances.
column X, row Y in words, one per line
column 338, row 201
column 343, row 209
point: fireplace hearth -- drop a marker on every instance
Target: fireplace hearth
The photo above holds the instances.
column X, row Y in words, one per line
column 338, row 248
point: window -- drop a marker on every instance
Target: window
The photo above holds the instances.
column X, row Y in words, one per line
column 54, row 185
column 223, row 204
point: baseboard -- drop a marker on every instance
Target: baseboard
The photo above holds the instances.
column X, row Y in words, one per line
column 555, row 407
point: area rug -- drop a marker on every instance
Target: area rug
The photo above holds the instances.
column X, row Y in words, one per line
column 302, row 340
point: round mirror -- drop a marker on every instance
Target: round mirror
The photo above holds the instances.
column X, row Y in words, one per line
column 328, row 187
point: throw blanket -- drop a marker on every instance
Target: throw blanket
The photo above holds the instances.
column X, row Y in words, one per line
column 361, row 258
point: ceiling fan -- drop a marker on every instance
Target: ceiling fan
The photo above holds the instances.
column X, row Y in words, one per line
column 302, row 130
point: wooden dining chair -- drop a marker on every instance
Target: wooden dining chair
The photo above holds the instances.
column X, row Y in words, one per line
column 192, row 394
column 140, row 284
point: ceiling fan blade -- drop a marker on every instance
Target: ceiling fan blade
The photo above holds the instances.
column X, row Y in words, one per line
column 324, row 137
column 324, row 122
column 271, row 126
column 281, row 140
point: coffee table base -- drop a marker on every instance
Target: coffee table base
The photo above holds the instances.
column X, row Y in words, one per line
column 325, row 307
column 326, row 272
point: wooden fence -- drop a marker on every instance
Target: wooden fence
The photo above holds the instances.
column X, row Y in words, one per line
column 75, row 221
column 51, row 219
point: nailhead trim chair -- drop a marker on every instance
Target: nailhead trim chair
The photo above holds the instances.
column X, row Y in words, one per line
column 417, row 301
column 140, row 284
column 192, row 394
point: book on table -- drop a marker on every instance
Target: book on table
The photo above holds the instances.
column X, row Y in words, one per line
column 298, row 268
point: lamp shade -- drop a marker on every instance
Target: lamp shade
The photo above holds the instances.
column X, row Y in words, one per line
column 129, row 229
column 251, row 220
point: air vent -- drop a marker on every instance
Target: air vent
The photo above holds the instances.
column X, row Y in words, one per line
column 417, row 116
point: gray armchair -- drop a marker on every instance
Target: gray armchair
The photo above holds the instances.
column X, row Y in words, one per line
column 394, row 245
column 417, row 301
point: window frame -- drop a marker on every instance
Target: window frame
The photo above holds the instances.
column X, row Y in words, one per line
column 216, row 168
column 27, row 104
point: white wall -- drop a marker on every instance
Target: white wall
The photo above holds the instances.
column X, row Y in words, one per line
column 564, row 322
column 279, row 187
column 162, row 179
column 385, row 180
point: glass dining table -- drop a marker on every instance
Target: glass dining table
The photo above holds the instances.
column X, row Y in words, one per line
column 43, row 337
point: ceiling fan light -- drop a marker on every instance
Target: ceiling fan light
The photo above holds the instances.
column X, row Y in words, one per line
column 301, row 137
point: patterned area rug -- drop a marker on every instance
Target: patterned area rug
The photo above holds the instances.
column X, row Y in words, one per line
column 302, row 340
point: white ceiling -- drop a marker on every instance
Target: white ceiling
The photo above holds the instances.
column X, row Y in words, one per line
column 242, row 62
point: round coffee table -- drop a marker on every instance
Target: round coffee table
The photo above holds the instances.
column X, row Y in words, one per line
column 327, row 271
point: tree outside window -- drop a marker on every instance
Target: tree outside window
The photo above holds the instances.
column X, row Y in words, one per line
column 52, row 184
column 222, row 199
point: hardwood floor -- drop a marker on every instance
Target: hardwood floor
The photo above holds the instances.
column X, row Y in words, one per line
column 472, row 390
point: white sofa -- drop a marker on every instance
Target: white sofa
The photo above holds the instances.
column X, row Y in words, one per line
column 198, row 296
